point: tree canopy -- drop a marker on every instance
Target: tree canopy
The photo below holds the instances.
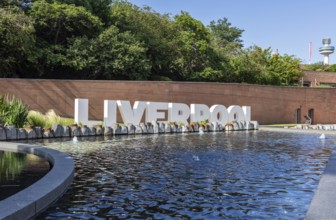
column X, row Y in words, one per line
column 114, row 39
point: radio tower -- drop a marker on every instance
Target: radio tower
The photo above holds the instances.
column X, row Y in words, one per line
column 326, row 50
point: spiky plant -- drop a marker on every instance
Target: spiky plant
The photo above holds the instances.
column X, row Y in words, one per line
column 13, row 111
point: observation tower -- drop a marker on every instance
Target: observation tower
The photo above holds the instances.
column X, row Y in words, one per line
column 326, row 50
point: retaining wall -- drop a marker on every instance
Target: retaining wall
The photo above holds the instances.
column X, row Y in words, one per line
column 269, row 104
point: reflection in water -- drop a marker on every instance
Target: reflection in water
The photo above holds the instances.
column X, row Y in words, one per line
column 11, row 165
column 18, row 171
column 259, row 175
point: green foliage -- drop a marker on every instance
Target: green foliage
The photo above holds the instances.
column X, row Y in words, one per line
column 154, row 30
column 332, row 68
column 226, row 34
column 225, row 38
column 204, row 122
column 53, row 118
column 286, row 68
column 57, row 23
column 192, row 39
column 160, row 78
column 22, row 4
column 11, row 164
column 13, row 111
column 122, row 56
column 104, row 39
column 256, row 65
column 37, row 119
column 181, row 124
column 319, row 67
column 16, row 40
column 99, row 8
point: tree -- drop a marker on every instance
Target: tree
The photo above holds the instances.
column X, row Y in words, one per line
column 319, row 67
column 112, row 55
column 246, row 69
column 191, row 46
column 154, row 30
column 286, row 67
column 332, row 68
column 56, row 25
column 99, row 8
column 224, row 36
column 17, row 40
column 22, row 4
column 258, row 66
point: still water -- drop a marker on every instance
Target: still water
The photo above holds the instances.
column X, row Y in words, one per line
column 241, row 175
column 18, row 171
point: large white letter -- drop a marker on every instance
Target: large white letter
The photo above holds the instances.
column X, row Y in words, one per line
column 152, row 113
column 110, row 113
column 82, row 113
column 219, row 114
column 199, row 112
column 236, row 113
column 247, row 112
column 178, row 112
column 129, row 115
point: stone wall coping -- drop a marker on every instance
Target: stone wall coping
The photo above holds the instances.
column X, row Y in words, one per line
column 34, row 199
column 296, row 130
column 324, row 202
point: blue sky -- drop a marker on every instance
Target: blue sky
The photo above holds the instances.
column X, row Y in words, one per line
column 286, row 25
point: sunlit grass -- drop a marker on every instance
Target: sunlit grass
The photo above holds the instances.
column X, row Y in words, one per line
column 37, row 119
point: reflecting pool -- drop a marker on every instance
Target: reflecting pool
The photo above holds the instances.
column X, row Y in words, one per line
column 18, row 171
column 241, row 175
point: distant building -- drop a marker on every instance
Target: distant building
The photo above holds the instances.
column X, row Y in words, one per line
column 318, row 79
column 326, row 50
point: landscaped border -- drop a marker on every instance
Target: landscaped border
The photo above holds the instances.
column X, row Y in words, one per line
column 33, row 200
column 10, row 133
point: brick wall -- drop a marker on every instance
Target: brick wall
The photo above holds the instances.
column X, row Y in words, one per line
column 269, row 104
column 318, row 78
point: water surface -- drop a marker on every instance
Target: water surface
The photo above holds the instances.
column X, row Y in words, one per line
column 241, row 175
column 18, row 171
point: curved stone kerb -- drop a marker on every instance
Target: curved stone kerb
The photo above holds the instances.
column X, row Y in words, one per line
column 34, row 199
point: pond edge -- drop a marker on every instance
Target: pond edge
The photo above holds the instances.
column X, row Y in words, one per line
column 34, row 199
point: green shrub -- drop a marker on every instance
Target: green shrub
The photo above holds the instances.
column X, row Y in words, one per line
column 332, row 68
column 13, row 111
column 53, row 118
column 37, row 119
